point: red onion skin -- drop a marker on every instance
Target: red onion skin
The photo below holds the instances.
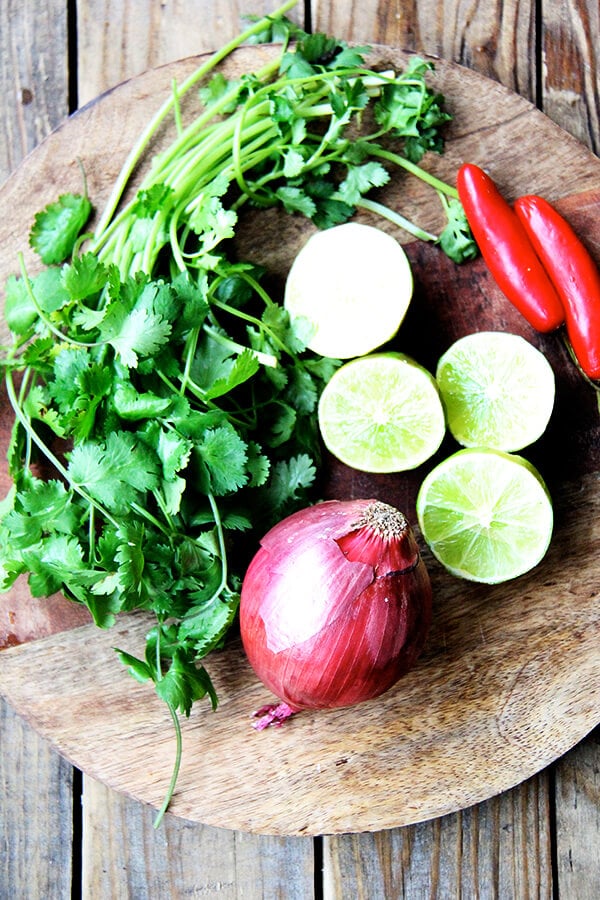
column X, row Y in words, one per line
column 322, row 631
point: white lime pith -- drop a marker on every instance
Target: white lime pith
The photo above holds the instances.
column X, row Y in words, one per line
column 382, row 413
column 486, row 515
column 349, row 286
column 498, row 390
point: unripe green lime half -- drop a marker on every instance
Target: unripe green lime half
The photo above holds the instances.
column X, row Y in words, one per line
column 381, row 413
column 486, row 515
column 498, row 390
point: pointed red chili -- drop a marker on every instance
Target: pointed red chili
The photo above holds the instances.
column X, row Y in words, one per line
column 507, row 250
column 574, row 274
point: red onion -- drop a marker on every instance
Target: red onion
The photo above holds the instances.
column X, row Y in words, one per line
column 335, row 606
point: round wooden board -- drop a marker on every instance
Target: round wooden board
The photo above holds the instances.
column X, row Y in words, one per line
column 511, row 674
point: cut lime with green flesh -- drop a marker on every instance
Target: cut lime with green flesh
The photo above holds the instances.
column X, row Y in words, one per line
column 486, row 515
column 349, row 289
column 381, row 413
column 498, row 390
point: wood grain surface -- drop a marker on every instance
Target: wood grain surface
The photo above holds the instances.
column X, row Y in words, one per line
column 509, row 846
column 510, row 678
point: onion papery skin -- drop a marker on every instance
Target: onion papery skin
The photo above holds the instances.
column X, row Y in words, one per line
column 322, row 627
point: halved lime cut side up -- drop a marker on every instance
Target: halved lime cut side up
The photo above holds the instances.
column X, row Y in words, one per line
column 486, row 515
column 382, row 413
column 498, row 390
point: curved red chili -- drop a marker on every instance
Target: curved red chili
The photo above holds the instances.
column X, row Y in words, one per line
column 507, row 250
column 574, row 274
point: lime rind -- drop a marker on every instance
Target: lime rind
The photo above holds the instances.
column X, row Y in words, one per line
column 498, row 390
column 486, row 515
column 382, row 413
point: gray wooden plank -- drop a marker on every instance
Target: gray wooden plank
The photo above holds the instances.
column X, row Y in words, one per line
column 571, row 72
column 495, row 39
column 36, row 814
column 124, row 856
column 497, row 849
column 36, row 808
column 33, row 75
column 578, row 821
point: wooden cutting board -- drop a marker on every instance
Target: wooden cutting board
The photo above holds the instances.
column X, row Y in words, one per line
column 510, row 678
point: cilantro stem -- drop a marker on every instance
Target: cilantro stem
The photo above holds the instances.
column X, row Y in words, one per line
column 146, row 514
column 176, row 766
column 247, row 317
column 414, row 169
column 28, row 287
column 91, row 535
column 201, row 128
column 212, row 155
column 266, row 359
column 221, row 543
column 176, row 107
column 22, row 393
column 44, row 318
column 190, row 352
column 396, row 218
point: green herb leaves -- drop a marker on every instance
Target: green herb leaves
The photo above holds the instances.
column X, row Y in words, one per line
column 174, row 410
column 57, row 227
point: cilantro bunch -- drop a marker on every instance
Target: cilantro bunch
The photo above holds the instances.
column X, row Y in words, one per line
column 164, row 406
column 314, row 131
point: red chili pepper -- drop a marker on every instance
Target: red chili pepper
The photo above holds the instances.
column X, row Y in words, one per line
column 507, row 250
column 574, row 274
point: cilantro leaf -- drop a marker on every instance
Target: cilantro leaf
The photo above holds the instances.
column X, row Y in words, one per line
column 218, row 88
column 456, row 239
column 52, row 563
column 184, row 682
column 133, row 334
column 151, row 200
column 84, row 276
column 360, row 179
column 133, row 405
column 173, row 451
column 289, row 480
column 410, row 109
column 243, row 367
column 294, row 199
column 56, row 228
column 140, row 670
column 114, row 472
column 19, row 308
column 131, row 561
column 223, row 455
column 206, row 624
column 258, row 465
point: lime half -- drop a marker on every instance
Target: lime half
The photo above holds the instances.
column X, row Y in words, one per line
column 349, row 288
column 498, row 390
column 486, row 515
column 381, row 413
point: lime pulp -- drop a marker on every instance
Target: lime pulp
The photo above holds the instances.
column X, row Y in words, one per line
column 381, row 413
column 486, row 515
column 498, row 390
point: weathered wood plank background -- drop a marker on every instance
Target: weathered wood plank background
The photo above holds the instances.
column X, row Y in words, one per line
column 63, row 836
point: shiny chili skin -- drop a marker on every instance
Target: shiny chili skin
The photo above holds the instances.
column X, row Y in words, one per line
column 507, row 250
column 574, row 274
